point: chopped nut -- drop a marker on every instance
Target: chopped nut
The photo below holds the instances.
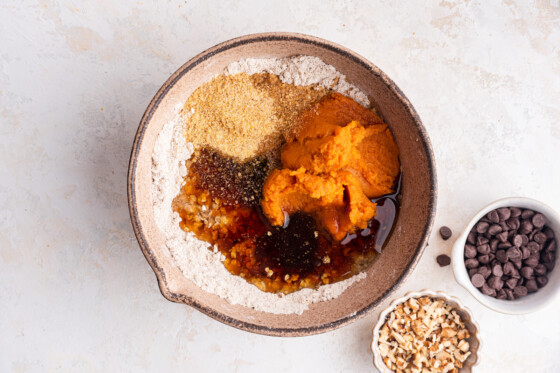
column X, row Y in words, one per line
column 448, row 332
column 398, row 338
column 463, row 334
column 424, row 335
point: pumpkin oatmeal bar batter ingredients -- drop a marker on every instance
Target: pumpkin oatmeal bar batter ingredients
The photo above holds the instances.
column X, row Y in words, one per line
column 260, row 125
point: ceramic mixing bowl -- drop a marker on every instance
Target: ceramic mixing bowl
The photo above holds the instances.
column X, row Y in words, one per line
column 418, row 198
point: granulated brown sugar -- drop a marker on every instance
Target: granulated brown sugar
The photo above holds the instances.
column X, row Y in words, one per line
column 253, row 110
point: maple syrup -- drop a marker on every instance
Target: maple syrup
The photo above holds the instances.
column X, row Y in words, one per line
column 220, row 204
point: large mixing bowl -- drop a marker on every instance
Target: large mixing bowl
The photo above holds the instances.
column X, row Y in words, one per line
column 412, row 227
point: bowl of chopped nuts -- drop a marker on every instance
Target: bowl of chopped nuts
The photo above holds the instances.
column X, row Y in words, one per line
column 426, row 331
column 506, row 255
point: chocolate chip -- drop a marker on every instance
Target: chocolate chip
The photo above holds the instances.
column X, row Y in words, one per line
column 487, row 290
column 540, row 238
column 504, row 213
column 483, row 249
column 540, row 269
column 515, row 212
column 548, row 257
column 502, row 236
column 484, row 271
column 493, row 244
column 470, row 251
column 532, row 234
column 526, row 227
column 471, row 263
column 511, row 283
column 539, row 220
column 509, row 294
column 508, row 269
column 484, row 259
column 531, row 286
column 527, row 272
column 481, row 240
column 524, row 240
column 514, row 254
column 493, row 216
column 517, row 240
column 494, row 229
column 471, row 238
column 532, row 261
column 472, row 272
column 445, row 232
column 513, row 223
column 495, row 283
column 443, row 260
column 518, row 264
column 549, row 233
column 504, row 245
column 501, row 294
column 504, row 226
column 497, row 270
column 478, row 280
column 519, row 291
column 482, row 227
column 533, row 246
column 526, row 214
column 549, row 266
column 502, row 256
column 526, row 252
column 551, row 246
column 542, row 281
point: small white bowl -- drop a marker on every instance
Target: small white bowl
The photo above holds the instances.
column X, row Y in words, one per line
column 530, row 302
column 466, row 315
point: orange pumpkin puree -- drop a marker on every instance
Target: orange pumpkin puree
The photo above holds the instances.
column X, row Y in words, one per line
column 340, row 156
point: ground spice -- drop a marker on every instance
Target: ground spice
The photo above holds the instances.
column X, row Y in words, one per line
column 253, row 110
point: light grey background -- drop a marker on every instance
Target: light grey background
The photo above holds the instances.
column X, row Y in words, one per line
column 76, row 294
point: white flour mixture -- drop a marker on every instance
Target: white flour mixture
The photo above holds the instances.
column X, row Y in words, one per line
column 194, row 257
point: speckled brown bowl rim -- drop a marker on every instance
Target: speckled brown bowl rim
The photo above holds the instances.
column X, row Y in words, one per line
column 275, row 36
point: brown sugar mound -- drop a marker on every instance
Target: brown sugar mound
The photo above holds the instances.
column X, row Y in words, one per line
column 252, row 110
column 339, row 157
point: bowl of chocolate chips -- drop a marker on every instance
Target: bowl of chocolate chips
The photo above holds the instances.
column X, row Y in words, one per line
column 507, row 253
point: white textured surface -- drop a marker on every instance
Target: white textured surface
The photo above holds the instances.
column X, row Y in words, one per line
column 76, row 294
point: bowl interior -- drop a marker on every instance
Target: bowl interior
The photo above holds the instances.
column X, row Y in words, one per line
column 526, row 304
column 412, row 226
